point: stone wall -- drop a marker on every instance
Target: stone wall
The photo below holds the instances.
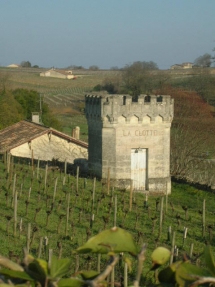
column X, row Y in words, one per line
column 49, row 146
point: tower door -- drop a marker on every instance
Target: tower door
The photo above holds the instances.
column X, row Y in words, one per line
column 138, row 168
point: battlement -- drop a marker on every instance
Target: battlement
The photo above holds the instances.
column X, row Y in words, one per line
column 120, row 108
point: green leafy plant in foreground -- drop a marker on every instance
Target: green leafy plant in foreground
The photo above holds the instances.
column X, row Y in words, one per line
column 38, row 272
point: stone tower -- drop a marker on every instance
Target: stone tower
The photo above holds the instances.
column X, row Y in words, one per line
column 130, row 140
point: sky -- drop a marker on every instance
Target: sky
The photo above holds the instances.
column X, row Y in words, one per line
column 105, row 33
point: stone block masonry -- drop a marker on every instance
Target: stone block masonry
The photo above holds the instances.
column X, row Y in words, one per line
column 131, row 140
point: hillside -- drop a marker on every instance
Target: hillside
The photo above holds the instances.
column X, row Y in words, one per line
column 66, row 97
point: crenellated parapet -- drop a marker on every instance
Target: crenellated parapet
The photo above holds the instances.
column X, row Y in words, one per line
column 116, row 109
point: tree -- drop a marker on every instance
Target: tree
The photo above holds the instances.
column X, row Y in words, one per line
column 192, row 133
column 11, row 111
column 203, row 61
column 137, row 78
column 31, row 102
column 94, row 68
column 75, row 67
column 114, row 68
column 4, row 83
column 26, row 64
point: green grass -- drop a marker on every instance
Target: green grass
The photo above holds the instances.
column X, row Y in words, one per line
column 138, row 221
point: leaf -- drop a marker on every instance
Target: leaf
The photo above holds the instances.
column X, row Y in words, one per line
column 70, row 282
column 160, row 255
column 15, row 274
column 7, row 263
column 37, row 270
column 28, row 259
column 185, row 273
column 59, row 267
column 167, row 275
column 209, row 259
column 89, row 275
column 43, row 264
column 114, row 239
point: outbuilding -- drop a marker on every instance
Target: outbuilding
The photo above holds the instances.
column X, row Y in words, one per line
column 32, row 140
column 129, row 142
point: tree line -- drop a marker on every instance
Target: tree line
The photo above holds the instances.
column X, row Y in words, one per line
column 19, row 104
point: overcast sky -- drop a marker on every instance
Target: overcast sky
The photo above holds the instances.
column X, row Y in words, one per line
column 105, row 33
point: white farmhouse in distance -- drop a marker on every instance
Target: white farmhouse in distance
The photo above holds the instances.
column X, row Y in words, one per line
column 13, row 66
column 55, row 73
column 186, row 65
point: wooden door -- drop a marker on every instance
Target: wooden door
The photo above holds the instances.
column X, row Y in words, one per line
column 138, row 168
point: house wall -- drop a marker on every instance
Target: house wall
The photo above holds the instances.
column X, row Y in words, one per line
column 49, row 146
column 188, row 66
column 53, row 73
column 70, row 76
column 117, row 125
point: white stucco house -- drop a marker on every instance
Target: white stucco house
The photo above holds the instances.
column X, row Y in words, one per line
column 13, row 66
column 27, row 139
column 55, row 73
column 186, row 65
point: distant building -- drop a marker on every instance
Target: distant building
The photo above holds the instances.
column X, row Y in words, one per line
column 61, row 74
column 13, row 66
column 186, row 65
column 176, row 67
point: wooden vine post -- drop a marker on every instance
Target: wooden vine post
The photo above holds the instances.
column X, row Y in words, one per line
column 94, row 189
column 169, row 233
column 46, row 174
column 131, row 195
column 112, row 277
column 38, row 167
column 77, row 178
column 28, row 237
column 67, row 214
column 108, row 182
column 172, row 248
column 40, row 247
column 166, row 202
column 14, row 188
column 203, row 219
column 191, row 250
column 184, row 235
column 115, row 210
column 125, row 274
column 32, row 160
column 8, row 162
column 65, row 167
column 161, row 215
column 93, row 203
column 15, row 212
column 55, row 189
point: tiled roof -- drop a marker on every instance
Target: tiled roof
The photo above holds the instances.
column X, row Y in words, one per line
column 64, row 72
column 25, row 131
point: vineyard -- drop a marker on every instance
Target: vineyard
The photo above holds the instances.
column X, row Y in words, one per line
column 45, row 208
column 68, row 106
column 64, row 97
